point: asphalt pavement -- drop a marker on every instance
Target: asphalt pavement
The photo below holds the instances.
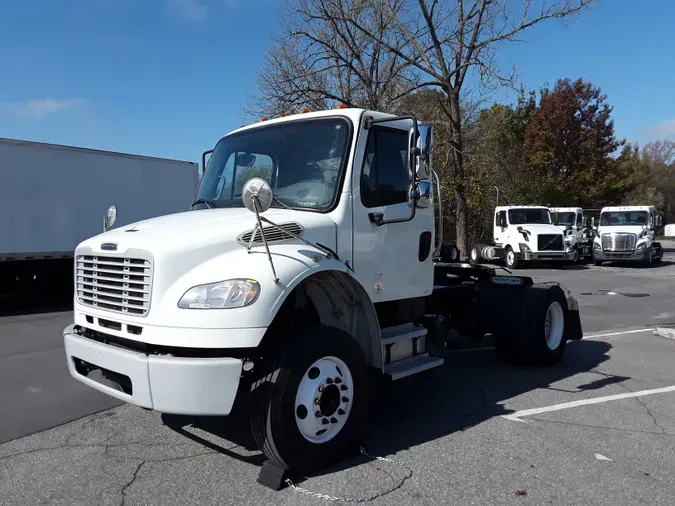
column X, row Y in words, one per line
column 598, row 428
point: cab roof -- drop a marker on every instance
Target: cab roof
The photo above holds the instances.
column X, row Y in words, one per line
column 627, row 208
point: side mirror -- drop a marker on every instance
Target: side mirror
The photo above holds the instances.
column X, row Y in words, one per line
column 593, row 222
column 502, row 221
column 420, row 158
column 424, row 190
column 659, row 221
column 257, row 195
column 205, row 162
column 109, row 218
column 584, row 221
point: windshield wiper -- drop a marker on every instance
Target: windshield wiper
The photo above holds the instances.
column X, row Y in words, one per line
column 203, row 201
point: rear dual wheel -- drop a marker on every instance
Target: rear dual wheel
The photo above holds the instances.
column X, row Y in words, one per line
column 309, row 409
column 541, row 339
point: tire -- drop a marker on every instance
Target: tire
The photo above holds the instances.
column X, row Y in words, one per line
column 475, row 255
column 649, row 261
column 510, row 258
column 577, row 256
column 318, row 356
column 542, row 340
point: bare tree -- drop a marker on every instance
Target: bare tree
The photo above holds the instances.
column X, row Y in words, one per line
column 319, row 59
column 443, row 40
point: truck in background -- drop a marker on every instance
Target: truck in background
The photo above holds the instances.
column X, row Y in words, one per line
column 627, row 234
column 574, row 224
column 523, row 234
column 52, row 197
column 310, row 263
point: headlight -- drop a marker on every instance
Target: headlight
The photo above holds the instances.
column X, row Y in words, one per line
column 523, row 247
column 641, row 245
column 221, row 295
column 597, row 245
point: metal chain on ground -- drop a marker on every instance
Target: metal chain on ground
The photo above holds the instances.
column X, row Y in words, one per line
column 361, row 500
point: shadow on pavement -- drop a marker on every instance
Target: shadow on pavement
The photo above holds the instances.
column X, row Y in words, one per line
column 466, row 391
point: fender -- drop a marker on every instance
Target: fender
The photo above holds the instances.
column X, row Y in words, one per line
column 338, row 297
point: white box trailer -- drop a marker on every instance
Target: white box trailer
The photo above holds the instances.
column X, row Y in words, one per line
column 52, row 197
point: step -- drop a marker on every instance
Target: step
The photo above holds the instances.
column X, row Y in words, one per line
column 400, row 332
column 412, row 365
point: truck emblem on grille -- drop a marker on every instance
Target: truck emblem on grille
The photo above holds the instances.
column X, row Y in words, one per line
column 109, row 246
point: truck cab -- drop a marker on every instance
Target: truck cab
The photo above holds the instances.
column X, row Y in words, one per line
column 627, row 234
column 310, row 261
column 573, row 223
column 527, row 233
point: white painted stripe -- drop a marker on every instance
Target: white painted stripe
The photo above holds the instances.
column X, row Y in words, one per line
column 585, row 402
column 619, row 333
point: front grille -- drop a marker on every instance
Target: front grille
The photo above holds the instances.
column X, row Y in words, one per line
column 272, row 234
column 114, row 283
column 618, row 242
column 550, row 242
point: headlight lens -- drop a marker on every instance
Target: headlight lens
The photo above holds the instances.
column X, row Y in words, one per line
column 641, row 245
column 221, row 295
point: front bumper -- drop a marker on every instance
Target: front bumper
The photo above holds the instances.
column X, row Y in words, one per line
column 546, row 255
column 624, row 256
column 175, row 385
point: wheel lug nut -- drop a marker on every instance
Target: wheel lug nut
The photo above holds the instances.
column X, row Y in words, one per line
column 341, row 411
column 318, row 414
column 325, row 421
column 345, row 399
column 316, row 402
column 343, row 387
column 338, row 381
column 329, row 381
column 322, row 388
column 333, row 420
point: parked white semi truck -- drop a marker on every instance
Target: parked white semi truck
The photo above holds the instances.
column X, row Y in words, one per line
column 310, row 259
column 524, row 234
column 52, row 197
column 627, row 234
column 573, row 223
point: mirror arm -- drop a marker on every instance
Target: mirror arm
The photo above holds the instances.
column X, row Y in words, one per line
column 440, row 212
column 262, row 234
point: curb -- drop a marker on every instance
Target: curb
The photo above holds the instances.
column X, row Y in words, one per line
column 666, row 332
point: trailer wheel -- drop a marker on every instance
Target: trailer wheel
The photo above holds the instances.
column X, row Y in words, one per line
column 309, row 409
column 542, row 340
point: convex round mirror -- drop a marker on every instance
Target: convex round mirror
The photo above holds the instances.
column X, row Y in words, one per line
column 110, row 217
column 257, row 193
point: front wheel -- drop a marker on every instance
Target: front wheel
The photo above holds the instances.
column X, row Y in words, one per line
column 511, row 260
column 309, row 409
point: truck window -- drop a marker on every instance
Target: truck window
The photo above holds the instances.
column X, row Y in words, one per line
column 302, row 161
column 384, row 175
column 529, row 216
column 618, row 218
column 580, row 219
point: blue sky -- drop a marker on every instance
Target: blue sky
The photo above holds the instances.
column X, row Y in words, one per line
column 168, row 77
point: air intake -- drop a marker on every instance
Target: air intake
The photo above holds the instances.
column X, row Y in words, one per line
column 272, row 234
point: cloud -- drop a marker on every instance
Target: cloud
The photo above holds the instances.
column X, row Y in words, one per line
column 663, row 130
column 192, row 10
column 39, row 108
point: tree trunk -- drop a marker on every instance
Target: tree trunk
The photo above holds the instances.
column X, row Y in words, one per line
column 457, row 145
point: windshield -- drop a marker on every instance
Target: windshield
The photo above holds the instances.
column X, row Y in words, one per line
column 618, row 218
column 529, row 216
column 563, row 218
column 301, row 161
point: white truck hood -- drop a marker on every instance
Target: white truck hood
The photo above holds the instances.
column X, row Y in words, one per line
column 540, row 228
column 208, row 230
column 621, row 229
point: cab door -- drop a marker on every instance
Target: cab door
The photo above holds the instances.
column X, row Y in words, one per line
column 393, row 261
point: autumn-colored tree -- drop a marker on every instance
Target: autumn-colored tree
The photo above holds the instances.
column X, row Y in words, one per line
column 569, row 144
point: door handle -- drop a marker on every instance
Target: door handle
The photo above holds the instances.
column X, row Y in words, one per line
column 376, row 218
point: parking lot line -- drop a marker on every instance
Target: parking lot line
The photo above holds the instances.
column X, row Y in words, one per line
column 517, row 416
column 618, row 333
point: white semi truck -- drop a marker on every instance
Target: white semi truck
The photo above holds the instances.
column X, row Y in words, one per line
column 524, row 234
column 52, row 197
column 573, row 223
column 627, row 234
column 310, row 259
